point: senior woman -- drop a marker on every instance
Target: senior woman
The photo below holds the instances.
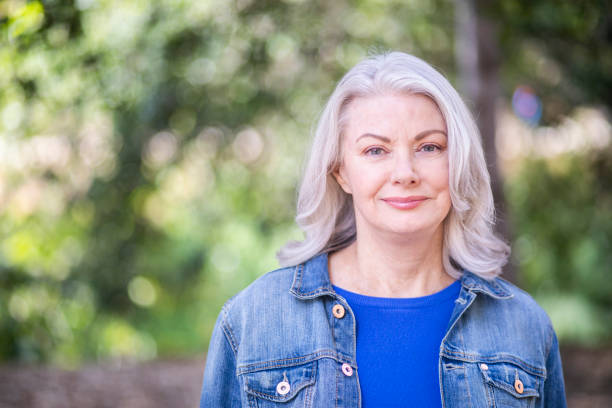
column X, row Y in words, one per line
column 393, row 298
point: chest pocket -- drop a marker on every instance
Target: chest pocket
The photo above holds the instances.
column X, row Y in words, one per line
column 287, row 386
column 508, row 385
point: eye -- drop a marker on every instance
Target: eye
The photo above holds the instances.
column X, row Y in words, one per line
column 374, row 151
column 430, row 148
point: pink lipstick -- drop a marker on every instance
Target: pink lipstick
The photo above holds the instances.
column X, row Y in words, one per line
column 405, row 203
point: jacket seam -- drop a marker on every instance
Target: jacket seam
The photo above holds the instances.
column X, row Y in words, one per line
column 315, row 292
column 491, row 292
column 297, row 279
column 294, row 391
column 473, row 358
column 463, row 344
column 288, row 362
column 229, row 334
column 337, row 399
column 308, row 396
column 549, row 347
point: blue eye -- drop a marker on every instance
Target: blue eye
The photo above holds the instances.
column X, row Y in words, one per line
column 375, row 151
column 430, row 148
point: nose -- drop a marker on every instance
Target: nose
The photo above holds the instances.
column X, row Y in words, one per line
column 404, row 171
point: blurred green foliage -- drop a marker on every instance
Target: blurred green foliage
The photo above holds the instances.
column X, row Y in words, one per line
column 562, row 211
column 151, row 148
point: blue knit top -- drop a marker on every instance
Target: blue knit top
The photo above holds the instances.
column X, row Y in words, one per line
column 398, row 345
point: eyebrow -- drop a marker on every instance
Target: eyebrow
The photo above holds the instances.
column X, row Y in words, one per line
column 418, row 137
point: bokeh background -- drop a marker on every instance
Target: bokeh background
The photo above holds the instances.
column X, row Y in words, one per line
column 150, row 152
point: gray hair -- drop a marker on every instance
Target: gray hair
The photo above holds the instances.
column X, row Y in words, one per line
column 325, row 212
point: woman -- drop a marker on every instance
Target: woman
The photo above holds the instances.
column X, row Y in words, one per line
column 392, row 299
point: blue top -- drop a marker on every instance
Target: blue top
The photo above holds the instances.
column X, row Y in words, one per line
column 398, row 345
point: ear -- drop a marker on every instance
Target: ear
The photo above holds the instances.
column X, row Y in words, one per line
column 339, row 175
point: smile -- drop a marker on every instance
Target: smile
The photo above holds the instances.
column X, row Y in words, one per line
column 405, row 203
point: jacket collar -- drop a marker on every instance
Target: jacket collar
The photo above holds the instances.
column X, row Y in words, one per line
column 311, row 280
column 493, row 288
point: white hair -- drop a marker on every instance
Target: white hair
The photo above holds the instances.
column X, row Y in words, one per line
column 325, row 212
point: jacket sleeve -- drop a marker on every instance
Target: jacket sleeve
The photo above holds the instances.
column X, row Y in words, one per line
column 554, row 387
column 221, row 387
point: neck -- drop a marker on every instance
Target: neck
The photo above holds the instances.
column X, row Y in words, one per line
column 375, row 265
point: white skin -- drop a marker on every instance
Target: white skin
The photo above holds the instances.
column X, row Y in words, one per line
column 394, row 145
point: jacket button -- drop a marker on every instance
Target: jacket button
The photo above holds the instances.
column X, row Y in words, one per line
column 484, row 367
column 347, row 370
column 338, row 311
column 518, row 386
column 283, row 388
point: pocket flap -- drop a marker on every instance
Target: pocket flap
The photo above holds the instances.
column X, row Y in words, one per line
column 265, row 383
column 511, row 378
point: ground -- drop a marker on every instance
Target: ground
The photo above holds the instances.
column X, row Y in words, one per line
column 176, row 383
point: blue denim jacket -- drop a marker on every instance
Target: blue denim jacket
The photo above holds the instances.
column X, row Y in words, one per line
column 278, row 343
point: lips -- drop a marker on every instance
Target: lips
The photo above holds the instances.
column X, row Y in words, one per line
column 405, row 203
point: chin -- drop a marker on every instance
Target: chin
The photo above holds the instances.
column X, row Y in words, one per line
column 410, row 228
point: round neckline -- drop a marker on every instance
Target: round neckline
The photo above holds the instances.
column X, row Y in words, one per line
column 444, row 295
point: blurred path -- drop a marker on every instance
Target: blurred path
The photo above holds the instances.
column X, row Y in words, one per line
column 176, row 383
column 165, row 383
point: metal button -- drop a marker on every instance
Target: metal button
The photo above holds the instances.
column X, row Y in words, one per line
column 518, row 386
column 484, row 367
column 338, row 311
column 283, row 388
column 347, row 369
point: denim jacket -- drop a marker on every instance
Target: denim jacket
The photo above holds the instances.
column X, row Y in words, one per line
column 280, row 343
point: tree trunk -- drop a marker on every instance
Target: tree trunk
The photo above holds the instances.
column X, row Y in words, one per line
column 478, row 61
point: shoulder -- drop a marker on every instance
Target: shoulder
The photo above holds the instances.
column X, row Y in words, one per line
column 270, row 309
column 271, row 285
column 524, row 304
column 269, row 303
column 501, row 297
column 256, row 307
column 503, row 308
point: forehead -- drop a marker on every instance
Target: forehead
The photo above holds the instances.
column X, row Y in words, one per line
column 393, row 112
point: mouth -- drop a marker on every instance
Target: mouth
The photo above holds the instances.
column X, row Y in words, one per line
column 405, row 203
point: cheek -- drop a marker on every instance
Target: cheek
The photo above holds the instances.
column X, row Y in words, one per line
column 370, row 182
column 365, row 180
column 443, row 187
column 441, row 182
column 439, row 176
column 438, row 181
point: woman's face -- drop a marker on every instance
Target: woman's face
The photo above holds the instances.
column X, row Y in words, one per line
column 395, row 163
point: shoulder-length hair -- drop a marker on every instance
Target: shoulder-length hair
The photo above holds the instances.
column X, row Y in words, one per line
column 325, row 212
